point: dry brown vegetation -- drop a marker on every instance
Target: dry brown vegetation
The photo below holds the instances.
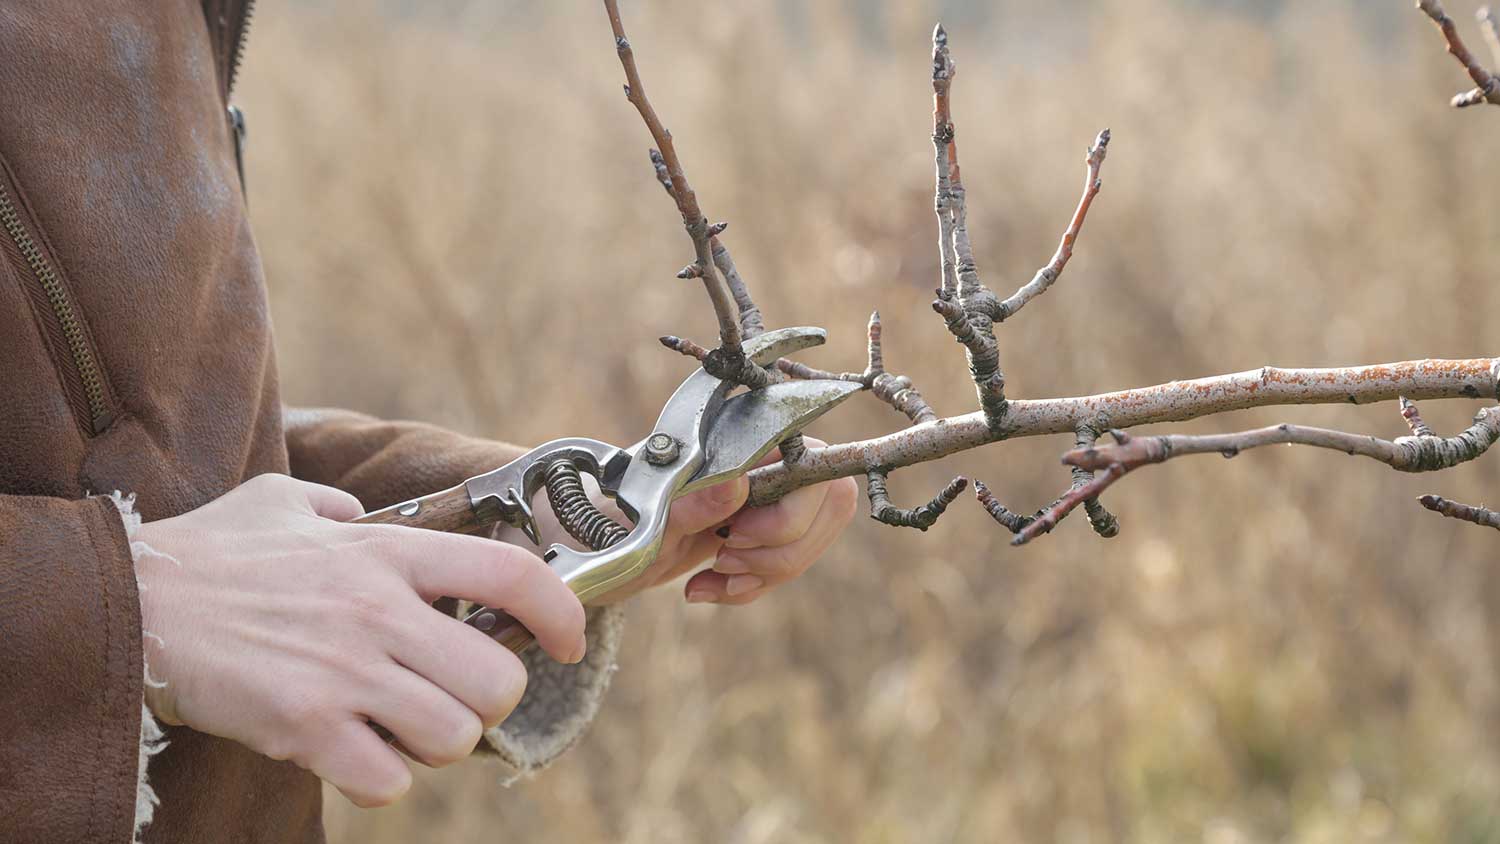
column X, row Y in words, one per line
column 459, row 225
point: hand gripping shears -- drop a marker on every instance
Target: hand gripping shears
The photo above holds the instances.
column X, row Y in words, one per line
column 703, row 436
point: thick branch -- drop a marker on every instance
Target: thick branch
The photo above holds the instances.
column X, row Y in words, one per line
column 677, row 184
column 1467, row 512
column 1487, row 88
column 1175, row 401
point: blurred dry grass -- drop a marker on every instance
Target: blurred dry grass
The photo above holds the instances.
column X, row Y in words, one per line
column 1278, row 648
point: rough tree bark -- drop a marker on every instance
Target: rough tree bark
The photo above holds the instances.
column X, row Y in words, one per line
column 971, row 311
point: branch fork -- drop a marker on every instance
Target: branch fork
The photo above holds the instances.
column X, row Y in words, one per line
column 970, row 311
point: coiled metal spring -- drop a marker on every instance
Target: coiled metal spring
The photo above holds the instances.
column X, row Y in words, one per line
column 577, row 514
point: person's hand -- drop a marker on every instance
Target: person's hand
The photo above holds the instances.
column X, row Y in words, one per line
column 753, row 549
column 274, row 624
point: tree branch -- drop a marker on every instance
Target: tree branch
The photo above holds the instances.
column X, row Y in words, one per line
column 1489, row 26
column 970, row 310
column 1405, row 454
column 1103, row 522
column 1175, row 401
column 677, row 185
column 1487, row 88
column 967, row 307
column 921, row 518
column 1047, row 275
column 1467, row 512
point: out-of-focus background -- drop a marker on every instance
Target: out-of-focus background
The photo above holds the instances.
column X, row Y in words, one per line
column 459, row 225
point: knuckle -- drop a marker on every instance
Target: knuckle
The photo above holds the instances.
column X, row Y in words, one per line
column 382, row 790
column 460, row 734
column 266, row 483
column 368, row 608
column 506, row 690
column 779, row 562
column 846, row 494
column 309, row 713
column 281, row 746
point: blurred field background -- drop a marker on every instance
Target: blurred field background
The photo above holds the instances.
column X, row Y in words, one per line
column 459, row 225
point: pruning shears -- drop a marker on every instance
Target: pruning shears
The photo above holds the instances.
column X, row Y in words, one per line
column 704, row 436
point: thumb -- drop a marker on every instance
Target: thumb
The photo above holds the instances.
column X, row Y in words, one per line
column 331, row 503
column 707, row 507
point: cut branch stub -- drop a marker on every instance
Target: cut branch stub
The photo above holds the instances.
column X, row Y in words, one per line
column 1413, row 418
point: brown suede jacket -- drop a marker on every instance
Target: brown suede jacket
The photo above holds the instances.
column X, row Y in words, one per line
column 137, row 357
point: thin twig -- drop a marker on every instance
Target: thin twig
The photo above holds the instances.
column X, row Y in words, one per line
column 682, row 193
column 1480, row 515
column 1489, row 26
column 942, row 134
column 1048, row 274
column 895, row 390
column 1008, row 519
column 1487, row 85
column 684, row 346
column 1405, row 454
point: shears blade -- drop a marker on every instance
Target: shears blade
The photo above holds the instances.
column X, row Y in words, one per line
column 749, row 425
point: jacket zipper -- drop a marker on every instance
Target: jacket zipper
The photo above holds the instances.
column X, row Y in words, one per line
column 74, row 334
column 236, row 115
column 241, row 31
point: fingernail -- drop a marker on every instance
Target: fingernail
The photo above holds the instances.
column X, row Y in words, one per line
column 741, row 583
column 581, row 651
column 723, row 532
column 739, row 540
column 730, row 564
column 701, row 596
column 726, row 492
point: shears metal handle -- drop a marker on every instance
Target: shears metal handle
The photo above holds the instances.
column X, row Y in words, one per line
column 703, row 436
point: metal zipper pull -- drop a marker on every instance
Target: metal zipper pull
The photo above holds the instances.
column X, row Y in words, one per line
column 237, row 126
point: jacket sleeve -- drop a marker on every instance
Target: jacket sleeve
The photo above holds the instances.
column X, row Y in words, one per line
column 70, row 672
column 381, row 463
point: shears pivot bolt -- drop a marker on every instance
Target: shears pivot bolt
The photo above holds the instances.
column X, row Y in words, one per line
column 661, row 449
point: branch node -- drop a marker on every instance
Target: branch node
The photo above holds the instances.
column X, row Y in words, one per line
column 1413, row 418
